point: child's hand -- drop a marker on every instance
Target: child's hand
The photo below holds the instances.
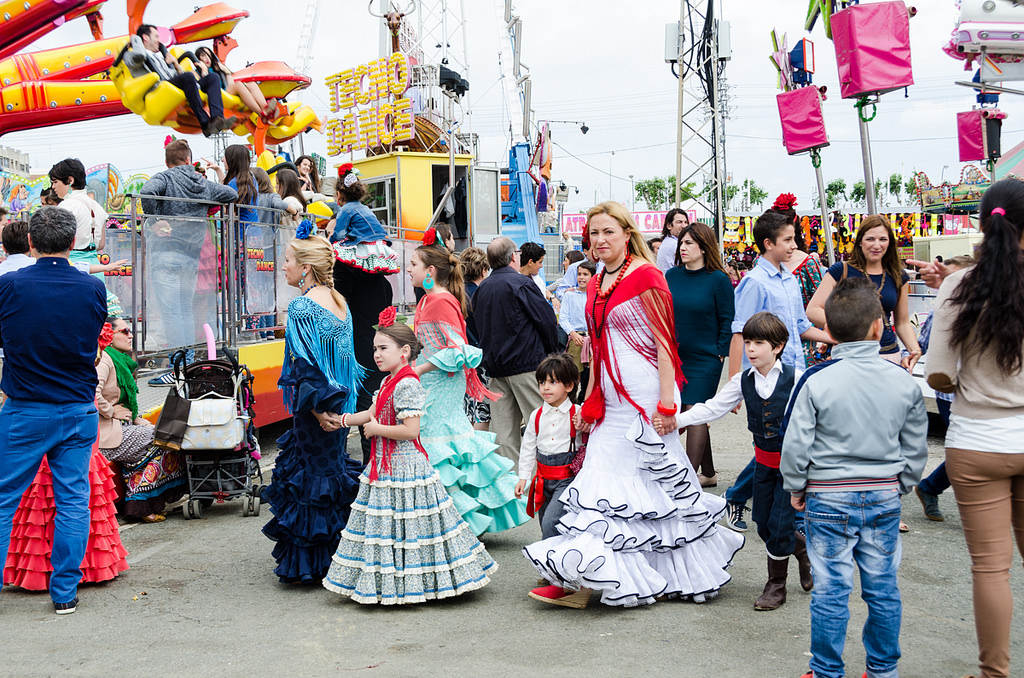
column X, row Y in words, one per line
column 662, row 424
column 798, row 502
column 582, row 425
column 520, row 486
column 372, row 428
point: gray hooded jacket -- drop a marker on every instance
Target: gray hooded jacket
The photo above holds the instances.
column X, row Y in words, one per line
column 186, row 235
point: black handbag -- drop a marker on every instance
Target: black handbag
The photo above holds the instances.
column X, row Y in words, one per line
column 173, row 421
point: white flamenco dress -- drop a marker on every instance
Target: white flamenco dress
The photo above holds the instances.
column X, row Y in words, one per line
column 637, row 525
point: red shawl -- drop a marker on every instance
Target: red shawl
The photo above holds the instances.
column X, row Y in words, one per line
column 384, row 412
column 439, row 324
column 648, row 284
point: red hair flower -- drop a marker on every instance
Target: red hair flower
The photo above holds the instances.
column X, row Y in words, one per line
column 344, row 169
column 106, row 335
column 785, row 201
column 387, row 317
column 168, row 139
column 430, row 236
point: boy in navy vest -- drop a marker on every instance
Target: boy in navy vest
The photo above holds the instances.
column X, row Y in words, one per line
column 765, row 389
column 856, row 439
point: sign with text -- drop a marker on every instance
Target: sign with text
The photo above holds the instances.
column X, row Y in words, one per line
column 374, row 112
column 648, row 222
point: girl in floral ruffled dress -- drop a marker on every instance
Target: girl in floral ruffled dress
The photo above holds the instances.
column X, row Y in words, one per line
column 405, row 541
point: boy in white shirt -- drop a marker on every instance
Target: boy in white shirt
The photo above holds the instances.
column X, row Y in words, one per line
column 765, row 388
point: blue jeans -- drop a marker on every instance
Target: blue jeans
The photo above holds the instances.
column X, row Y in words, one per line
column 844, row 528
column 173, row 276
column 743, row 489
column 64, row 434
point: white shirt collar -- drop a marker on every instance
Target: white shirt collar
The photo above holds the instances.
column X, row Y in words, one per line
column 566, row 406
column 777, row 368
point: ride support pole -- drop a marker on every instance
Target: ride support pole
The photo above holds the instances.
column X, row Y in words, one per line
column 865, row 149
column 826, row 225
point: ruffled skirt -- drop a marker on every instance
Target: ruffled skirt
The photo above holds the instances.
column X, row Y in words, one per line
column 372, row 257
column 405, row 541
column 311, row 490
column 480, row 481
column 28, row 558
column 637, row 525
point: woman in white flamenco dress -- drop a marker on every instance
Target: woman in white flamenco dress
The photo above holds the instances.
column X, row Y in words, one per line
column 638, row 527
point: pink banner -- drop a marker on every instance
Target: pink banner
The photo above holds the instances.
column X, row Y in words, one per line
column 872, row 43
column 803, row 122
column 649, row 223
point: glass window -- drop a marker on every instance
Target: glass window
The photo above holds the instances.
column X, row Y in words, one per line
column 380, row 198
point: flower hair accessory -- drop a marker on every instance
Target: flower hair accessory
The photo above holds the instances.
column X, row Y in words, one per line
column 168, row 139
column 785, row 201
column 106, row 335
column 388, row 317
column 430, row 236
column 304, row 230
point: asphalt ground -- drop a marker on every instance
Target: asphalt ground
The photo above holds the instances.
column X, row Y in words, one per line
column 201, row 599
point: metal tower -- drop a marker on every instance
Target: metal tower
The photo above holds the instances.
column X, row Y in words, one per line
column 702, row 107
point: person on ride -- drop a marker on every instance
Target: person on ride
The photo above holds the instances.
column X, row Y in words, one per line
column 163, row 63
column 248, row 92
column 309, row 176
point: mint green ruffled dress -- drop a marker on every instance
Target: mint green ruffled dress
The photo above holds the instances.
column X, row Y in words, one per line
column 480, row 481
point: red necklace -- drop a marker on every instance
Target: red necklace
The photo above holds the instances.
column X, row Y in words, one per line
column 622, row 272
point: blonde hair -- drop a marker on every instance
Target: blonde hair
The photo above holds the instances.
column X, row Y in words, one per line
column 315, row 252
column 637, row 245
column 449, row 271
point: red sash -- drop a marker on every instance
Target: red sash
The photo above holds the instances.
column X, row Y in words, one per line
column 765, row 458
column 384, row 413
column 545, row 472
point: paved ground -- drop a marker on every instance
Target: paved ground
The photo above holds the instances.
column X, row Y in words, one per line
column 200, row 599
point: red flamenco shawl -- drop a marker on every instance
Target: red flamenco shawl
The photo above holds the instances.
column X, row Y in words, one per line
column 440, row 325
column 640, row 301
column 385, row 413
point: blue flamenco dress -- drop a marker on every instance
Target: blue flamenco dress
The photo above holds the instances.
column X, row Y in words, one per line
column 314, row 481
column 480, row 481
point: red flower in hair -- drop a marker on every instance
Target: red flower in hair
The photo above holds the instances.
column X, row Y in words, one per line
column 167, row 140
column 344, row 169
column 785, row 201
column 430, row 237
column 387, row 317
column 106, row 335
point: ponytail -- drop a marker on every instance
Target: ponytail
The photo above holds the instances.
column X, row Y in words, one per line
column 449, row 271
column 990, row 298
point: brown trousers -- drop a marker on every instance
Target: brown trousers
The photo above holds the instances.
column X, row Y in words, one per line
column 989, row 490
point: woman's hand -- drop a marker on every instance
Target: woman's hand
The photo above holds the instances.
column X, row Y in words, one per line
column 329, row 421
column 908, row 361
column 662, row 424
column 122, row 413
column 373, row 427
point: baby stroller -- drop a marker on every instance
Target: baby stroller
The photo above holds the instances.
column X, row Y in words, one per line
column 219, row 390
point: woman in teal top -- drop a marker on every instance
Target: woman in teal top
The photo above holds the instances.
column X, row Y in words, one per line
column 702, row 298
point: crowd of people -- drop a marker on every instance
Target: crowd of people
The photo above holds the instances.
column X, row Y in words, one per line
column 585, row 403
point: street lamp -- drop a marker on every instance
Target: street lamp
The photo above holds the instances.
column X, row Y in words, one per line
column 632, row 194
column 942, row 177
column 583, row 125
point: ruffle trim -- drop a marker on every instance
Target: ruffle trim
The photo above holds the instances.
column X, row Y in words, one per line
column 372, row 257
column 636, row 541
column 28, row 559
column 453, row 359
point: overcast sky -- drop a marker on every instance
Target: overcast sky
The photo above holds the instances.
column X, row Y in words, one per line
column 596, row 61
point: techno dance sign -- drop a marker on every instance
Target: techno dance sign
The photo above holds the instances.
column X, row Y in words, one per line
column 375, row 112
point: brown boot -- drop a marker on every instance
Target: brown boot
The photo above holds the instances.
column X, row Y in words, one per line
column 774, row 594
column 803, row 562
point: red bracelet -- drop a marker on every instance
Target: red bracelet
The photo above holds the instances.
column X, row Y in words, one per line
column 667, row 411
column 344, row 418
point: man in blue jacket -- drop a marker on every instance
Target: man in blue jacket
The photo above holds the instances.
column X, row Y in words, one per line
column 50, row 321
column 517, row 329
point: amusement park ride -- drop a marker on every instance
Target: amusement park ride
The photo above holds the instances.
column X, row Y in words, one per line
column 403, row 112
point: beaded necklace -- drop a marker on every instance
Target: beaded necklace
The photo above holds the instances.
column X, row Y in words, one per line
column 606, row 295
column 310, row 287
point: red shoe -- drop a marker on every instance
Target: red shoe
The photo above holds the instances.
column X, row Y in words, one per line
column 556, row 595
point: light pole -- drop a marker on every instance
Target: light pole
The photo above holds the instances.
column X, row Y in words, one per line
column 942, row 177
column 610, row 158
column 632, row 194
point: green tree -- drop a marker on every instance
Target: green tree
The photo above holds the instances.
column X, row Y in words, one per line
column 857, row 193
column 655, row 192
column 836, row 189
column 895, row 186
column 879, row 192
column 752, row 194
column 910, row 188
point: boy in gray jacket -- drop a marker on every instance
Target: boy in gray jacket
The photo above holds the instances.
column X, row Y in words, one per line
column 855, row 441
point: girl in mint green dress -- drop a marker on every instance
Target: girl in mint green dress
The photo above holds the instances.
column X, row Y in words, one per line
column 480, row 481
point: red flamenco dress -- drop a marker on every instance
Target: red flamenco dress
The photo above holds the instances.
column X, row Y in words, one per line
column 28, row 559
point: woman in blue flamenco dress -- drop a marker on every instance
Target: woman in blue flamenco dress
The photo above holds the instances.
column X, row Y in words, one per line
column 480, row 481
column 314, row 481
